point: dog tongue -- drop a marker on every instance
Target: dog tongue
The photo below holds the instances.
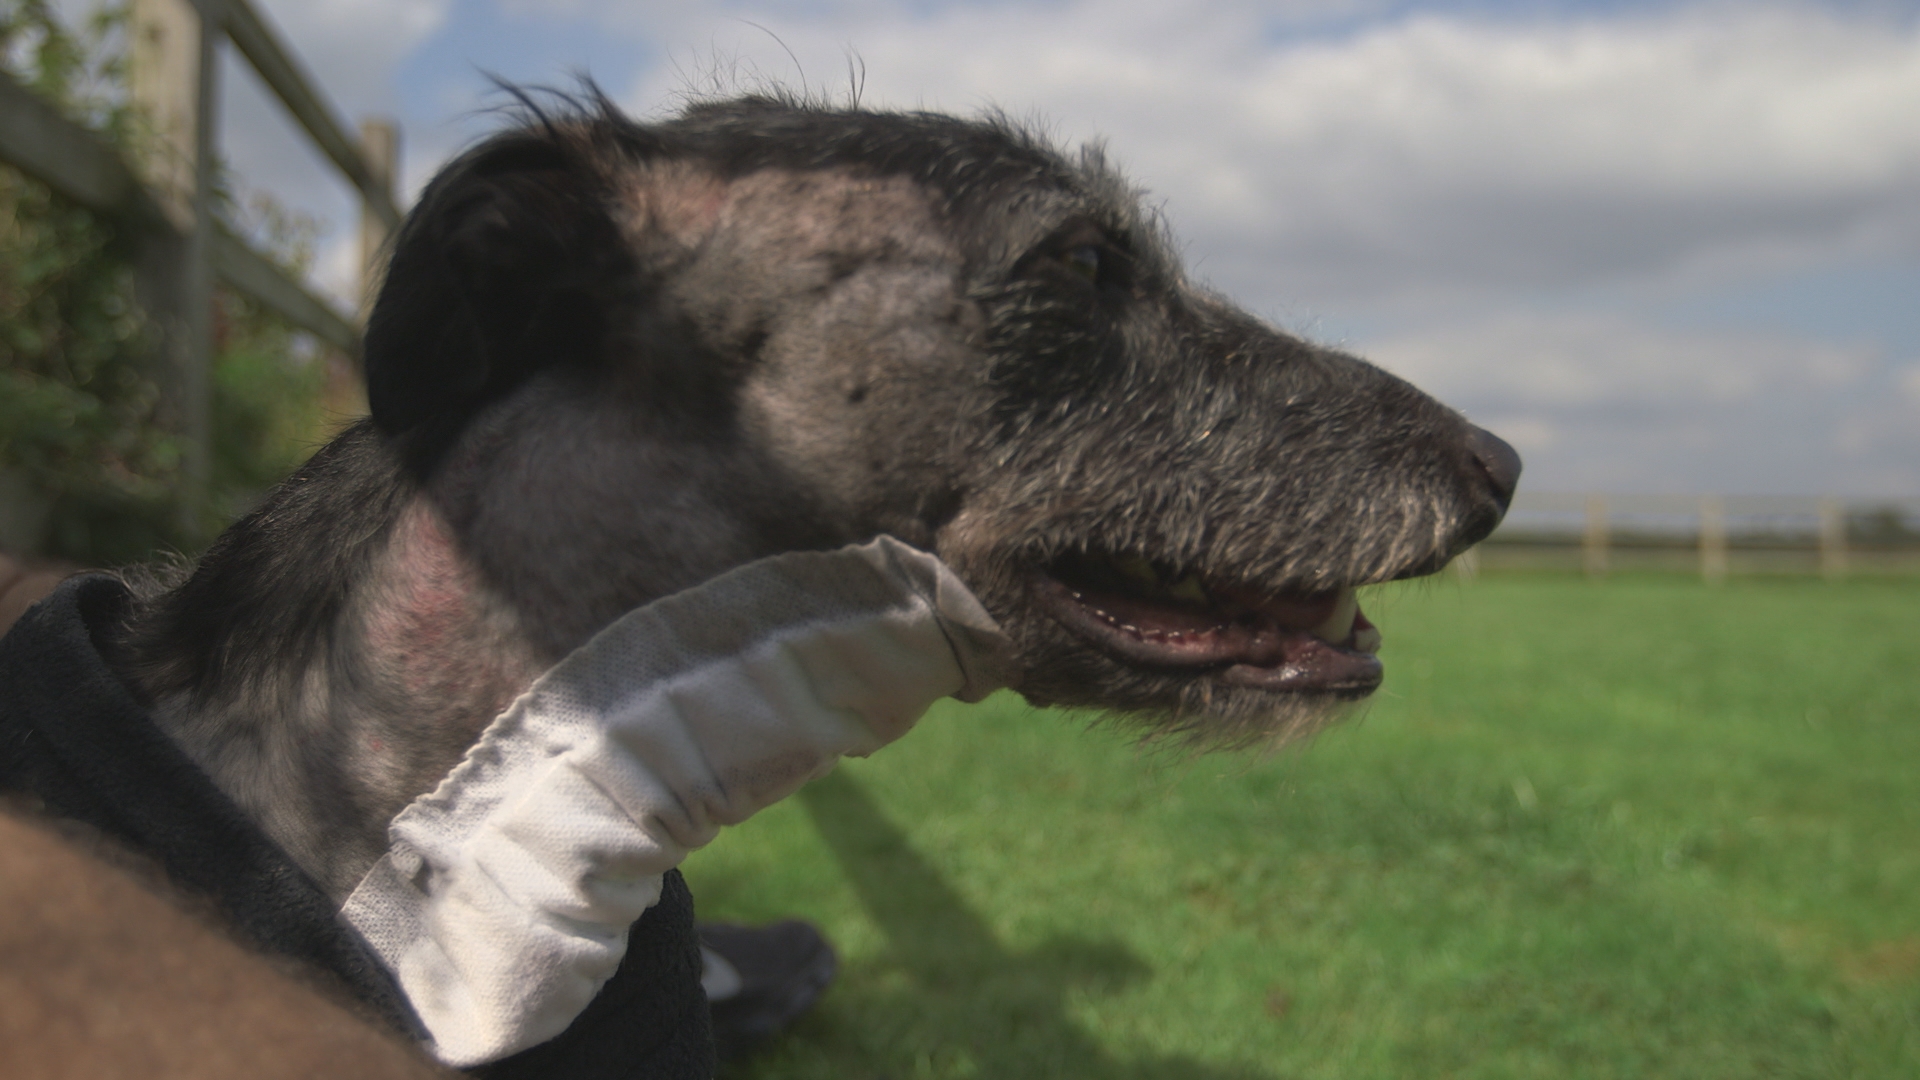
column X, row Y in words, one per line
column 1286, row 642
column 1306, row 662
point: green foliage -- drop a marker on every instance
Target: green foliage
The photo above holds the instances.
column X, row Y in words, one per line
column 268, row 397
column 1645, row 829
column 90, row 469
column 76, row 401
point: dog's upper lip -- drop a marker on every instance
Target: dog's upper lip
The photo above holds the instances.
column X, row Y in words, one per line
column 1298, row 641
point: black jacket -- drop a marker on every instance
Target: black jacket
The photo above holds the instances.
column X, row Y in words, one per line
column 74, row 737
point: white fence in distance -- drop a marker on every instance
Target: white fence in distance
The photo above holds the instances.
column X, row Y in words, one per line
column 1713, row 535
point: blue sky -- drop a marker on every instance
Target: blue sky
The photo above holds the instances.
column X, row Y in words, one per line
column 1662, row 246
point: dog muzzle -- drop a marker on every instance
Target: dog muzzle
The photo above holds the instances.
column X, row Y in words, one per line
column 503, row 901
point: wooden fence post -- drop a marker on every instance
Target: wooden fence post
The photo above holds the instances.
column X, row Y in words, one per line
column 380, row 142
column 1593, row 545
column 1833, row 539
column 1713, row 539
column 173, row 75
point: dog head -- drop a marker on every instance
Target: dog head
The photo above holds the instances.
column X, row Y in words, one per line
column 624, row 357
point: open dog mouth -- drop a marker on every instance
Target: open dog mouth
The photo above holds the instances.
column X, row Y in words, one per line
column 1154, row 616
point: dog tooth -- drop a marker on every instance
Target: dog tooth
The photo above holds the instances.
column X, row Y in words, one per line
column 1339, row 624
column 1189, row 588
column 1367, row 641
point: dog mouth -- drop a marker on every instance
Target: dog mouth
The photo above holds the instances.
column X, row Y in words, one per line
column 1155, row 616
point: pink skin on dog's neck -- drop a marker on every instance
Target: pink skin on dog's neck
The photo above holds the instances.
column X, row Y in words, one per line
column 444, row 644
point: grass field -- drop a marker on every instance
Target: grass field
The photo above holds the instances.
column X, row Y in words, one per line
column 1636, row 829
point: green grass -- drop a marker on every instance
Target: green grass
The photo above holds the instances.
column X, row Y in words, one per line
column 1639, row 829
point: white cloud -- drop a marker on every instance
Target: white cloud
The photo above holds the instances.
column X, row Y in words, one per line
column 1438, row 174
column 350, row 49
column 1425, row 155
column 353, row 46
column 1910, row 382
column 1605, row 402
column 1528, row 434
column 1771, row 446
column 1420, row 158
column 1591, row 361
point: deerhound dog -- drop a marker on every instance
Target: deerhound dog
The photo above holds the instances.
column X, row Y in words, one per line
column 612, row 360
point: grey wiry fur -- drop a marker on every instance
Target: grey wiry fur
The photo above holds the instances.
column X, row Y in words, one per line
column 612, row 360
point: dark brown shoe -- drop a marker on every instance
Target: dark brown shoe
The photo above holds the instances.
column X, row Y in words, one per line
column 759, row 979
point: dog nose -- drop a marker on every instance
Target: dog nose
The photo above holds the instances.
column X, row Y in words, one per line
column 1499, row 461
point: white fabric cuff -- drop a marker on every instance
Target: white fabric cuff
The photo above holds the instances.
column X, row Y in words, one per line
column 503, row 902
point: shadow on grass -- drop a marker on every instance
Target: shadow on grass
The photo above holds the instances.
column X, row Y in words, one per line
column 947, row 998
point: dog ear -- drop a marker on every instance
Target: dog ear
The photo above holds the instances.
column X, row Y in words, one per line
column 509, row 264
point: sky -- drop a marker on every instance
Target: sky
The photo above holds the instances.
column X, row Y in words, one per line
column 1660, row 247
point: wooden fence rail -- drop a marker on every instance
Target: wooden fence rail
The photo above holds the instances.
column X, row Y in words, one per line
column 1716, row 534
column 80, row 166
column 283, row 74
column 165, row 206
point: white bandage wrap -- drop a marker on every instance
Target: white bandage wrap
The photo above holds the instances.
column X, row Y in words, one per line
column 503, row 902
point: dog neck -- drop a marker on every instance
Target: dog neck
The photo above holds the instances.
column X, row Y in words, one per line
column 326, row 704
column 336, row 652
column 440, row 644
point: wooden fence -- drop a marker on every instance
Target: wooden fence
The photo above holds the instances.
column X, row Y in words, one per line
column 165, row 205
column 1713, row 535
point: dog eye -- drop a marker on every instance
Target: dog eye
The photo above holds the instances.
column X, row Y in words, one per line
column 1084, row 260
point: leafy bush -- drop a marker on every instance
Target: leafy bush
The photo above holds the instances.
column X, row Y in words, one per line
column 87, row 470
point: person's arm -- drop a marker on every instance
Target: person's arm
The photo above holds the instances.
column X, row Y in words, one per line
column 503, row 903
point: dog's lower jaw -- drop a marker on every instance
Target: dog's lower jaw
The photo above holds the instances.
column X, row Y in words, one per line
column 1204, row 706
